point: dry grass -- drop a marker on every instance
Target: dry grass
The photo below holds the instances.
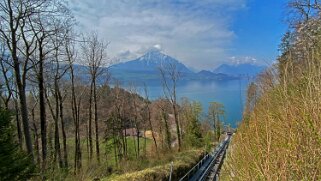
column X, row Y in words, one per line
column 182, row 162
column 280, row 138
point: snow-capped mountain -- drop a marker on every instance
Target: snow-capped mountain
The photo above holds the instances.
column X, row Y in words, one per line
column 150, row 62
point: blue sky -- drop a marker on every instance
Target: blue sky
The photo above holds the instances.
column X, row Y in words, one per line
column 259, row 30
column 201, row 33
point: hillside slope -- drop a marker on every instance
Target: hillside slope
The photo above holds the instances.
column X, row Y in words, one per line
column 279, row 138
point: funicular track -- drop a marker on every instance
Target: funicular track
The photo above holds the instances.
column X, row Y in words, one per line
column 209, row 167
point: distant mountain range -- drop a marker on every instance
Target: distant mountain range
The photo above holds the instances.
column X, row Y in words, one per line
column 145, row 69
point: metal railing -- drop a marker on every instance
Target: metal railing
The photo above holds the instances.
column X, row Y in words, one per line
column 213, row 157
column 192, row 171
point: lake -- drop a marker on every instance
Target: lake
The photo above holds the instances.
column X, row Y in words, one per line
column 231, row 93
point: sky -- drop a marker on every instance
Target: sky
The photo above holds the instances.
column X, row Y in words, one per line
column 202, row 34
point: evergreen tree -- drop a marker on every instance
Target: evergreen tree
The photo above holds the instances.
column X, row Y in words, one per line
column 14, row 163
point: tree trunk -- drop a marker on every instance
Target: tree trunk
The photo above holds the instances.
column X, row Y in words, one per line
column 145, row 141
column 36, row 140
column 25, row 120
column 51, row 147
column 42, row 108
column 136, row 126
column 23, row 108
column 96, row 121
column 114, row 140
column 57, row 137
column 177, row 126
column 87, row 142
column 138, row 144
column 56, row 129
column 75, row 114
column 18, row 123
column 124, row 142
column 151, row 128
column 64, row 137
column 90, row 122
column 78, row 135
column 167, row 131
column 20, row 81
column 124, row 136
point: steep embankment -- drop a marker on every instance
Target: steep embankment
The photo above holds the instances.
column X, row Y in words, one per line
column 279, row 138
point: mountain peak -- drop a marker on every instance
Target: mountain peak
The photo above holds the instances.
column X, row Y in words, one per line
column 154, row 50
column 151, row 61
column 152, row 55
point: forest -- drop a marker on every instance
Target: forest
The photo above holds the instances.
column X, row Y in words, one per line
column 58, row 122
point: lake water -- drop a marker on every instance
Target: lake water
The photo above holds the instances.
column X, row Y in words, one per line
column 231, row 93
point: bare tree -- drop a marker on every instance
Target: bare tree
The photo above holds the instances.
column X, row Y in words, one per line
column 33, row 102
column 75, row 103
column 116, row 127
column 303, row 10
column 20, row 41
column 60, row 96
column 161, row 115
column 47, row 25
column 58, row 68
column 135, row 116
column 170, row 76
column 149, row 119
column 54, row 114
column 94, row 54
column 216, row 113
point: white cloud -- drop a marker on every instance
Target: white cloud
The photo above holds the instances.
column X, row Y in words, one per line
column 195, row 32
column 236, row 60
column 158, row 47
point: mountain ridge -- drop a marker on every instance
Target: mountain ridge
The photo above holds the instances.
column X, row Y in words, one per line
column 146, row 68
column 245, row 69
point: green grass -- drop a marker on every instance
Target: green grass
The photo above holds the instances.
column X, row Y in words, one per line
column 149, row 166
column 131, row 143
